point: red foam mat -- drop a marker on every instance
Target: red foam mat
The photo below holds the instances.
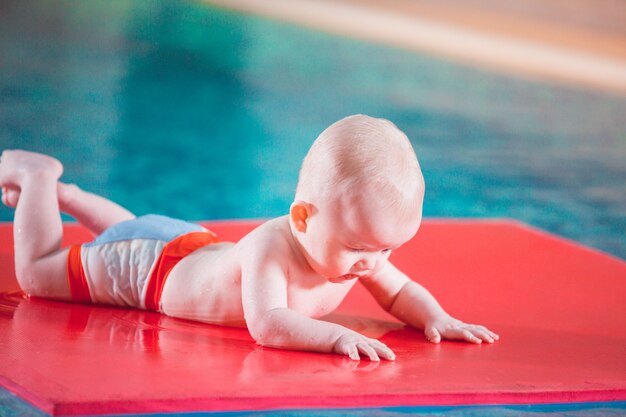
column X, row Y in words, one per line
column 560, row 309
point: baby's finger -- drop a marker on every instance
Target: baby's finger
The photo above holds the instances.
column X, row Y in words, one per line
column 348, row 349
column 432, row 335
column 469, row 336
column 382, row 349
column 461, row 333
column 377, row 344
column 352, row 352
column 491, row 334
column 494, row 336
column 386, row 353
column 368, row 350
column 482, row 334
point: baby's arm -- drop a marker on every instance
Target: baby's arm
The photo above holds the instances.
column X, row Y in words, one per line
column 413, row 304
column 271, row 323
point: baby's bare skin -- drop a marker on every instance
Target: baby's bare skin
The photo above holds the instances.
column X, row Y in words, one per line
column 280, row 308
column 282, row 277
column 206, row 285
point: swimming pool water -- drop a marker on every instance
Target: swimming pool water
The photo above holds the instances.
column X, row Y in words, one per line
column 196, row 112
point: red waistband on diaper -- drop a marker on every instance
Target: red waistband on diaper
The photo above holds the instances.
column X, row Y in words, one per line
column 76, row 276
column 172, row 253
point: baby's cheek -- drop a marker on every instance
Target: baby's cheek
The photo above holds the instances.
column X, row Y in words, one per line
column 381, row 263
column 348, row 262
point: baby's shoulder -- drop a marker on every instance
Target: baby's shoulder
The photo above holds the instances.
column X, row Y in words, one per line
column 272, row 238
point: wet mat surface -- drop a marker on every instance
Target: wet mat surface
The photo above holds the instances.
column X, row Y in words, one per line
column 558, row 307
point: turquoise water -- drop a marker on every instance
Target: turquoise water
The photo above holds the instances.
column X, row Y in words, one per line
column 194, row 112
column 182, row 109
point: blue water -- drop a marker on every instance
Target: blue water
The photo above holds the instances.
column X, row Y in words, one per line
column 190, row 111
column 199, row 113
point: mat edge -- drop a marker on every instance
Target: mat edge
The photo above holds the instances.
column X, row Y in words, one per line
column 47, row 406
column 376, row 401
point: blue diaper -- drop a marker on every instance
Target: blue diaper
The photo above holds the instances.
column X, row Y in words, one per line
column 150, row 226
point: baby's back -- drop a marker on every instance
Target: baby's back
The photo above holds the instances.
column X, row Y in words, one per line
column 206, row 285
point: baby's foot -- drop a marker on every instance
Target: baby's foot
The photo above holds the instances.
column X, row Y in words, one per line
column 17, row 165
column 65, row 193
column 10, row 196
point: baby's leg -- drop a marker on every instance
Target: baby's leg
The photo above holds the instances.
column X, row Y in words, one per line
column 40, row 263
column 94, row 212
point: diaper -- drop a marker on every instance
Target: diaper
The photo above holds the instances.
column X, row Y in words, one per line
column 129, row 263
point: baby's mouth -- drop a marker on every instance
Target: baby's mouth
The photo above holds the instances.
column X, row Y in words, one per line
column 348, row 277
column 344, row 278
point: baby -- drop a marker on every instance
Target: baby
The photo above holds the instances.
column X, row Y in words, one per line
column 359, row 197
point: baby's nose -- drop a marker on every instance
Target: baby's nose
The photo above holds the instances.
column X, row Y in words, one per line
column 367, row 263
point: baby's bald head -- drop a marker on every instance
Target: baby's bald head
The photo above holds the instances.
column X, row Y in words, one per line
column 361, row 155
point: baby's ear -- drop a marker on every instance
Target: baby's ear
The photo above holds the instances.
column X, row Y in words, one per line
column 299, row 214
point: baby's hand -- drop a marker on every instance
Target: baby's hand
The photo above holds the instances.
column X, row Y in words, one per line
column 451, row 328
column 351, row 343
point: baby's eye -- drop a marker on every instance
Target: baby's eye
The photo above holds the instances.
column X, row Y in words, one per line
column 356, row 249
